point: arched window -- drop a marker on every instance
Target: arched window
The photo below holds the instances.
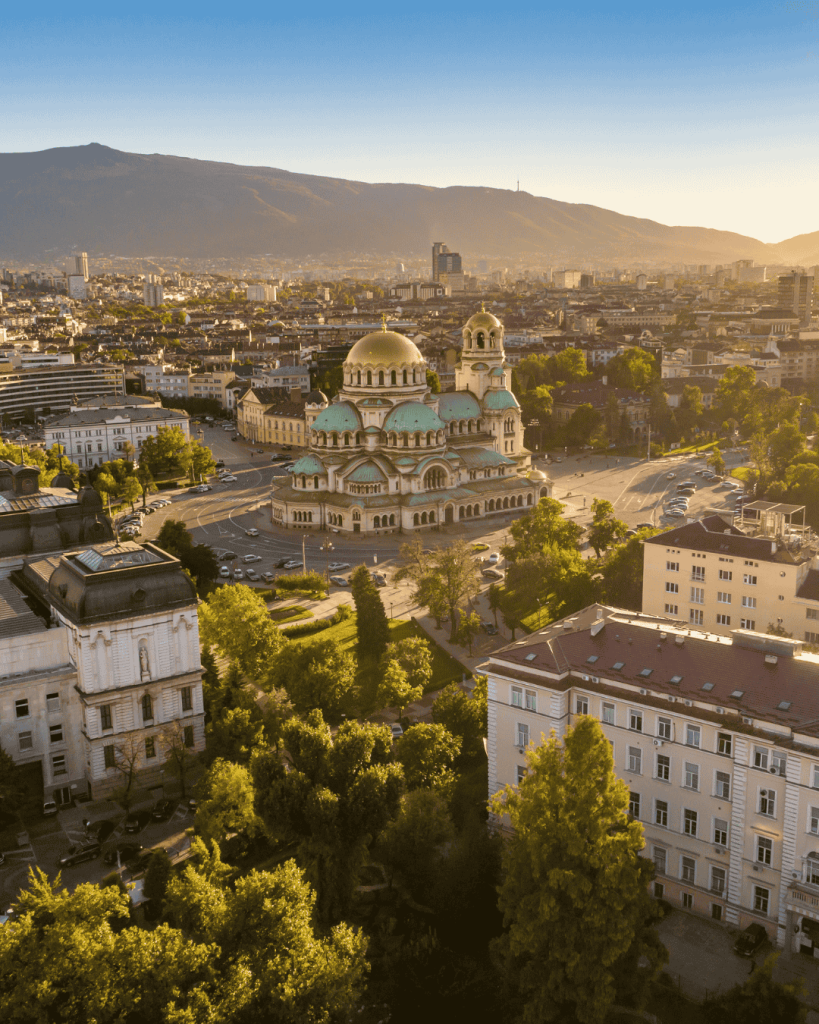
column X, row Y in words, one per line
column 381, row 378
column 405, row 376
column 393, row 378
column 377, row 522
column 392, row 520
column 423, row 519
column 369, row 379
column 416, row 521
column 315, row 483
column 405, row 439
column 304, row 482
column 528, row 499
column 358, row 437
column 461, row 427
column 432, row 517
column 461, row 512
column 335, row 439
column 430, row 439
column 480, row 340
column 359, row 377
column 417, row 440
column 309, row 517
column 491, row 504
column 147, row 708
column 346, row 440
column 434, row 479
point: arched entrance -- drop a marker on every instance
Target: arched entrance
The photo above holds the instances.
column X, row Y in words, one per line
column 448, row 516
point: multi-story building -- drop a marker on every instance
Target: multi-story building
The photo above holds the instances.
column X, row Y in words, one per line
column 91, row 436
column 153, row 294
column 716, row 737
column 42, row 391
column 78, row 265
column 795, row 292
column 633, row 408
column 261, row 293
column 99, row 655
column 712, row 575
column 287, row 377
column 213, row 384
column 276, row 416
column 567, row 278
column 165, row 380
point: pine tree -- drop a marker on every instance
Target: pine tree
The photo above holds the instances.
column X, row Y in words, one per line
column 372, row 625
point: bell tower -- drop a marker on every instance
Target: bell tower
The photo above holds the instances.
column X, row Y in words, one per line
column 482, row 356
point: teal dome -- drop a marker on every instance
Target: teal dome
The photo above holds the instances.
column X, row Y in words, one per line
column 458, row 405
column 367, row 473
column 412, row 416
column 309, row 465
column 338, row 417
column 499, row 400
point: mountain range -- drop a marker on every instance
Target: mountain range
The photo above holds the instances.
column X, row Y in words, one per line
column 103, row 200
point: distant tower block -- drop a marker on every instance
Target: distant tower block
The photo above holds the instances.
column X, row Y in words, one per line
column 78, row 265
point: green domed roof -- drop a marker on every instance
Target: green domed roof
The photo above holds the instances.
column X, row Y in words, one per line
column 383, row 348
column 411, row 416
column 340, row 416
column 458, row 405
column 308, row 464
column 497, row 400
column 483, row 319
column 367, row 473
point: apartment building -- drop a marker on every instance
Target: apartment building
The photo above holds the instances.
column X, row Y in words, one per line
column 45, row 390
column 165, row 380
column 713, row 575
column 91, row 436
column 716, row 737
column 213, row 384
column 282, row 377
column 275, row 416
column 795, row 291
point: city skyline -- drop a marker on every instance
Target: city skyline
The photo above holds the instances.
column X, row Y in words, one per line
column 690, row 117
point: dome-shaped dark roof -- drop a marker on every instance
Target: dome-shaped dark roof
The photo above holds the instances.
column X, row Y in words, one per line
column 63, row 480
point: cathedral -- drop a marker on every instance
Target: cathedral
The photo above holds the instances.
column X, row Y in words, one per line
column 388, row 455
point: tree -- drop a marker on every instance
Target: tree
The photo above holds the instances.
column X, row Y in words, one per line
column 372, row 625
column 146, row 481
column 468, row 629
column 127, row 759
column 574, row 888
column 235, row 734
column 543, row 526
column 395, row 688
column 166, row 453
column 605, row 527
column 582, row 424
column 227, row 803
column 784, row 444
column 235, row 621
column 463, row 716
column 316, row 674
column 202, row 461
column 634, row 369
column 130, row 490
column 415, row 658
column 412, row 844
column 157, row 875
column 495, row 594
column 433, row 382
column 716, row 462
column 444, row 577
column 333, row 799
column 690, row 410
column 428, row 752
column 623, row 572
column 536, row 407
column 179, row 753
column 733, row 397
column 760, row 1000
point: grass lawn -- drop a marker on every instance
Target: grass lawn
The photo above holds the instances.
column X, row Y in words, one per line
column 744, row 473
column 445, row 669
column 292, row 613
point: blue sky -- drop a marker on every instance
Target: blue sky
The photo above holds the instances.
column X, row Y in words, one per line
column 705, row 114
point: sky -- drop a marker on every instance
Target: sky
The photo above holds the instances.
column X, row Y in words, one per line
column 699, row 114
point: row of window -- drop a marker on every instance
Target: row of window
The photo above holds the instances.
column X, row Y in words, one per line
column 25, row 738
column 726, row 575
column 22, row 708
column 110, row 752
column 697, row 595
column 147, row 706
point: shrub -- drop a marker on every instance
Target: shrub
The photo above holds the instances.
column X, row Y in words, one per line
column 342, row 613
column 307, row 628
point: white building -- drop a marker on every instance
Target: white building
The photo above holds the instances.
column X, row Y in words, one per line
column 165, row 380
column 77, row 287
column 261, row 293
column 287, row 377
column 153, row 294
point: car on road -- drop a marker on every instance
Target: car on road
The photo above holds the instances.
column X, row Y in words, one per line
column 339, row 581
column 201, row 489
column 252, row 575
column 127, row 852
column 260, row 451
column 675, row 513
column 282, row 562
column 252, row 558
column 492, row 574
column 686, row 490
column 489, row 628
column 338, row 566
column 379, row 580
column 494, row 558
column 148, row 511
column 137, row 820
column 220, row 463
column 253, row 532
column 224, row 572
column 268, row 577
column 396, row 730
column 238, row 574
column 228, row 556
column 644, row 526
column 162, row 810
column 49, row 808
column 100, row 830
column 750, row 939
column 229, row 478
column 79, row 853
column 670, row 476
column 294, row 563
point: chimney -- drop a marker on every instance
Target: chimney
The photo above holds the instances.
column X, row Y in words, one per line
column 296, row 396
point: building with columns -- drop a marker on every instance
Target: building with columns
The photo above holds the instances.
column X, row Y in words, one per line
column 716, row 737
column 388, row 455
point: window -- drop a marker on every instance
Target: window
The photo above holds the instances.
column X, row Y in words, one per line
column 723, row 597
column 582, row 706
column 661, row 813
column 664, row 728
column 723, row 620
column 52, row 702
column 523, row 735
column 812, row 613
column 150, row 747
column 608, row 714
column 688, row 872
column 24, row 741
column 56, row 733
column 147, row 708
column 697, row 595
column 690, row 822
column 748, row 602
column 106, row 719
column 747, row 623
column 634, row 805
column 687, row 901
column 672, row 609
column 779, row 762
column 531, row 700
column 815, row 782
column 635, row 760
column 717, row 879
column 723, row 786
column 692, row 735
column 188, row 735
column 767, row 802
column 21, row 708
column 635, row 720
column 663, row 767
column 187, row 698
column 698, row 572
column 672, row 588
column 726, row 574
column 716, row 911
column 720, row 832
column 110, row 758
column 517, row 697
column 764, row 850
column 761, row 897
column 760, row 757
column 695, row 617
column 724, row 743
column 672, row 566
column 811, row 638
column 660, row 858
column 691, row 776
column 749, row 580
column 58, row 765
column 522, row 772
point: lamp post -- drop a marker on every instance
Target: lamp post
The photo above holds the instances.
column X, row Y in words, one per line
column 326, row 548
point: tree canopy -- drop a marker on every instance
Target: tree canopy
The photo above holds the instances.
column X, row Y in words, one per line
column 235, row 622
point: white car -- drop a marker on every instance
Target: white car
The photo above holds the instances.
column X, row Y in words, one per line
column 201, row 489
column 338, row 566
column 252, row 558
column 494, row 558
column 238, row 574
column 292, row 564
column 229, row 479
column 224, row 572
column 252, row 533
column 339, row 581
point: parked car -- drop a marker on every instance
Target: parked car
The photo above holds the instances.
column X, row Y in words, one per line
column 396, row 730
column 100, row 830
column 339, row 581
column 379, row 580
column 251, row 558
column 282, row 562
column 127, row 852
column 750, row 939
column 220, row 463
column 201, row 489
column 338, row 566
column 670, row 476
column 137, row 820
column 252, row 575
column 224, row 572
column 50, row 808
column 162, row 810
column 228, row 556
column 489, row 628
column 293, row 564
column 229, row 479
column 268, row 577
column 238, row 574
column 79, row 853
column 645, row 526
column 492, row 574
column 253, row 532
column 494, row 558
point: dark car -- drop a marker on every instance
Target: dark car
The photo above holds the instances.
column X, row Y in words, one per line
column 99, row 831
column 137, row 820
column 282, row 562
column 220, row 463
column 127, row 852
column 379, row 580
column 750, row 940
column 162, row 810
column 489, row 628
column 78, row 854
column 492, row 574
column 228, row 556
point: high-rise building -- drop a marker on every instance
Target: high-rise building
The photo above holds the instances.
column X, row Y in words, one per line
column 796, row 293
column 153, row 294
column 78, row 265
column 266, row 293
column 437, row 249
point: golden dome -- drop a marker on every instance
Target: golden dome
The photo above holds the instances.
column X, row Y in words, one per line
column 384, row 348
column 483, row 319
